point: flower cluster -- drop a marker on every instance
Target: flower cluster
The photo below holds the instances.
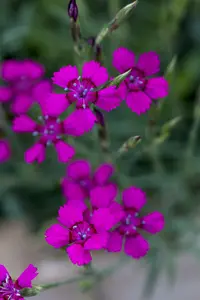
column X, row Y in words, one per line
column 11, row 289
column 100, row 222
column 85, row 92
column 23, row 79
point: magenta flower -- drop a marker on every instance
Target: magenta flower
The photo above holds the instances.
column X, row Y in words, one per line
column 80, row 231
column 22, row 78
column 80, row 90
column 138, row 89
column 128, row 230
column 80, row 180
column 50, row 130
column 5, row 151
column 10, row 289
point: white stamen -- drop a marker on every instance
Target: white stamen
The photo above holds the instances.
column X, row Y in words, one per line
column 58, row 121
column 74, row 227
column 134, row 227
column 49, row 142
column 79, row 77
column 35, row 133
column 75, row 95
column 84, row 236
column 74, row 84
column 66, row 89
column 46, row 117
column 131, row 78
column 46, row 131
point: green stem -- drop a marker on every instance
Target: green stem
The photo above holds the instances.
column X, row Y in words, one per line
column 193, row 133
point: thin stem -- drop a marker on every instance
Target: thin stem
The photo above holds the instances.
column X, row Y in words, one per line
column 193, row 133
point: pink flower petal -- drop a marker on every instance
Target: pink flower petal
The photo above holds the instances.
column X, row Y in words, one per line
column 79, row 169
column 65, row 151
column 65, row 75
column 153, row 222
column 70, row 215
column 56, row 104
column 103, row 219
column 72, row 190
column 21, row 104
column 11, row 70
column 134, row 198
column 32, row 69
column 136, row 246
column 78, row 255
column 97, row 241
column 5, row 94
column 24, row 123
column 35, row 153
column 5, row 151
column 95, row 72
column 79, row 122
column 123, row 90
column 117, row 211
column 138, row 102
column 103, row 173
column 157, row 88
column 123, row 59
column 41, row 90
column 109, row 98
column 149, row 63
column 101, row 197
column 3, row 273
column 78, row 203
column 114, row 242
column 24, row 280
column 57, row 236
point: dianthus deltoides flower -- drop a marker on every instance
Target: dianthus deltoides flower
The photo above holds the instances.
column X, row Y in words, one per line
column 80, row 180
column 5, row 151
column 10, row 289
column 80, row 91
column 138, row 89
column 22, row 78
column 81, row 230
column 127, row 232
column 50, row 130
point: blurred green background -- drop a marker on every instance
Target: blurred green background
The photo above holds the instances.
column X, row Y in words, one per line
column 167, row 162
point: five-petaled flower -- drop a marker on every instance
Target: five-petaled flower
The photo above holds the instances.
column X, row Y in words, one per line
column 80, row 231
column 5, row 151
column 80, row 90
column 10, row 289
column 49, row 131
column 128, row 229
column 138, row 89
column 24, row 83
column 80, row 180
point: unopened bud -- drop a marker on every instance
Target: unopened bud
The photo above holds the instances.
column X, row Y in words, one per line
column 100, row 117
column 73, row 10
column 131, row 143
column 30, row 292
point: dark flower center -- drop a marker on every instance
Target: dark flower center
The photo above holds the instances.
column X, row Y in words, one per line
column 130, row 223
column 80, row 91
column 8, row 291
column 50, row 130
column 81, row 232
column 136, row 81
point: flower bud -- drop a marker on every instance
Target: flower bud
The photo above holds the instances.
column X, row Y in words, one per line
column 100, row 117
column 73, row 10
